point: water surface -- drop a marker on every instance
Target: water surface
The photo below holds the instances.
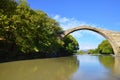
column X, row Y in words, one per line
column 79, row 67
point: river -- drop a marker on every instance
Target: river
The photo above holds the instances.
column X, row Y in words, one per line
column 77, row 67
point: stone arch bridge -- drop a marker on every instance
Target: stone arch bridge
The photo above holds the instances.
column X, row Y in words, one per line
column 112, row 36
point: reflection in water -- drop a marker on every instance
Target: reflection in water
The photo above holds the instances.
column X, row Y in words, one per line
column 107, row 61
column 80, row 67
column 97, row 68
column 90, row 69
column 116, row 70
column 42, row 69
column 113, row 64
column 117, row 66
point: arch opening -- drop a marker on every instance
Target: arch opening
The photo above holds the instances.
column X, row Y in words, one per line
column 93, row 29
column 87, row 39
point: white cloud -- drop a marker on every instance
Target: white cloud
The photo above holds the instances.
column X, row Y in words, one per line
column 60, row 19
column 67, row 23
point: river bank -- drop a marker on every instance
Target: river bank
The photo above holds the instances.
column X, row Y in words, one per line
column 8, row 57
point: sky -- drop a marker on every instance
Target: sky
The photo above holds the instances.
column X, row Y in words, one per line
column 103, row 14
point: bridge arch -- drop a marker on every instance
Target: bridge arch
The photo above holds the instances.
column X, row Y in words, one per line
column 106, row 33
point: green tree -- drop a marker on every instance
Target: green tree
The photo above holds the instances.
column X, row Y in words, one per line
column 70, row 44
column 28, row 30
column 81, row 52
column 7, row 6
column 105, row 48
column 93, row 51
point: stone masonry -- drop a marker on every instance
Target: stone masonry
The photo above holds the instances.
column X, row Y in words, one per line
column 112, row 36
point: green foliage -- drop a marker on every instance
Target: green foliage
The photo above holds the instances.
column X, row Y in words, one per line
column 71, row 45
column 105, row 48
column 81, row 52
column 93, row 51
column 32, row 30
column 7, row 6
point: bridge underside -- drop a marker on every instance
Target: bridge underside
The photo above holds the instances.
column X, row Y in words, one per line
column 112, row 36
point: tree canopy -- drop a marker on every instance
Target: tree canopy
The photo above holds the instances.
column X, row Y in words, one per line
column 103, row 48
column 27, row 30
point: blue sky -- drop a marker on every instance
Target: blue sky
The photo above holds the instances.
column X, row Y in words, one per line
column 72, row 13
